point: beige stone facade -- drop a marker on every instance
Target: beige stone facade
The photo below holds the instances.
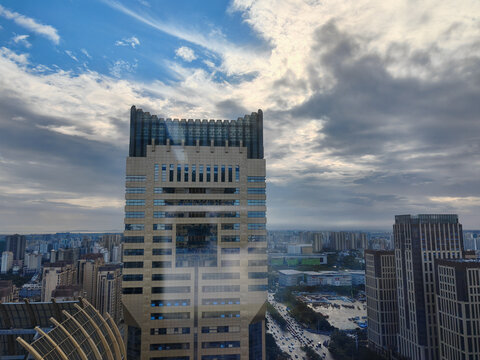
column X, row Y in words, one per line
column 195, row 264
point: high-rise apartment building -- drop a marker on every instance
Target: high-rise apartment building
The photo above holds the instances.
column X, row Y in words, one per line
column 419, row 241
column 109, row 291
column 381, row 291
column 87, row 275
column 458, row 308
column 194, row 252
column 16, row 244
column 7, row 261
column 55, row 274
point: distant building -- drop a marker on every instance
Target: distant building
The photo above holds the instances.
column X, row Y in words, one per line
column 7, row 262
column 318, row 242
column 381, row 291
column 109, row 291
column 299, row 249
column 332, row 278
column 33, row 262
column 289, row 277
column 343, row 240
column 55, row 274
column 16, row 244
column 87, row 275
column 6, row 291
column 358, row 277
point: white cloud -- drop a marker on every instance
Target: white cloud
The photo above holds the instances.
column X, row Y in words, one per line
column 71, row 55
column 131, row 41
column 85, row 52
column 22, row 39
column 120, row 67
column 186, row 53
column 31, row 24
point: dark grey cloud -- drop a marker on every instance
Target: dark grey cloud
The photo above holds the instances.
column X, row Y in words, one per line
column 421, row 134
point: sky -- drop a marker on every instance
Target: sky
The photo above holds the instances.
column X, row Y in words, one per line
column 371, row 108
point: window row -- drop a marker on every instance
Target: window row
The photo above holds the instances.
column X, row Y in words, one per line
column 190, row 202
column 196, row 190
column 202, row 173
column 168, row 264
column 141, row 227
column 180, row 302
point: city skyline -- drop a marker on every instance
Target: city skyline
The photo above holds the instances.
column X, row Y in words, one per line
column 365, row 116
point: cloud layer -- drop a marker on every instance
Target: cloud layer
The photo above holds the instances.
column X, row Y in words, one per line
column 366, row 116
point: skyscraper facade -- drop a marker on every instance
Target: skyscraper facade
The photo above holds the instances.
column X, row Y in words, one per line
column 381, row 291
column 419, row 241
column 16, row 244
column 194, row 252
column 458, row 307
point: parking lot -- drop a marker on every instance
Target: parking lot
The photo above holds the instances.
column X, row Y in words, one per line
column 343, row 312
column 295, row 337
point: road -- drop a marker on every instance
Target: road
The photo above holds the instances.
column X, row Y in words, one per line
column 292, row 340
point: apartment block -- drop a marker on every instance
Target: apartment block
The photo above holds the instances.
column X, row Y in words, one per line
column 458, row 308
column 381, row 291
column 194, row 251
column 419, row 241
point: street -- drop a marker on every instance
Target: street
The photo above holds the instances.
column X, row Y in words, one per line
column 296, row 336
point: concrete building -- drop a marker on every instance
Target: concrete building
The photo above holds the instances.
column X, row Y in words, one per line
column 33, row 262
column 87, row 275
column 358, row 277
column 343, row 240
column 458, row 308
column 16, row 244
column 109, row 291
column 299, row 249
column 53, row 275
column 67, row 292
column 6, row 291
column 419, row 241
column 289, row 277
column 332, row 278
column 7, row 262
column 194, row 251
column 381, row 291
column 318, row 242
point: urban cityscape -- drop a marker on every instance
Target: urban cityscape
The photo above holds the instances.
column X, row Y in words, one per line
column 239, row 180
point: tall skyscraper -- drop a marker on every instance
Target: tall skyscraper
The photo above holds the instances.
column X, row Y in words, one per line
column 419, row 241
column 16, row 244
column 381, row 291
column 458, row 306
column 194, row 252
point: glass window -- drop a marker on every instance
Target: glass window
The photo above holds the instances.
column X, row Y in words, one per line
column 164, row 172
column 186, row 173
column 256, row 178
column 170, row 316
column 230, row 250
column 171, row 172
column 256, row 214
column 220, row 288
column 194, row 173
column 158, row 202
column 215, row 173
column 133, row 264
column 230, row 173
column 255, row 202
column 162, row 226
column 257, row 287
column 158, row 190
column 171, row 290
column 135, row 214
column 257, row 227
column 257, row 238
column 230, row 226
column 161, row 251
column 228, row 263
column 133, row 290
column 170, row 277
column 223, row 174
column 133, row 277
column 257, row 275
column 161, row 264
column 135, row 227
column 179, row 173
column 208, row 173
column 256, row 190
column 135, row 202
column 230, row 238
column 162, row 239
column 255, row 250
column 159, row 214
column 176, row 302
column 237, row 173
column 155, row 172
column 200, row 173
column 132, row 252
column 136, row 178
column 135, row 190
column 220, row 276
column 133, row 239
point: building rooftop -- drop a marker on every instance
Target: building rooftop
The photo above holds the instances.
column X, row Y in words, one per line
column 290, row 272
column 246, row 132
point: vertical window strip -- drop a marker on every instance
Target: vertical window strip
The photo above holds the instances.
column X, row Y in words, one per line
column 164, row 172
column 155, row 172
column 237, row 173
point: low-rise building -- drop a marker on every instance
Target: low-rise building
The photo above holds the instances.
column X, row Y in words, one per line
column 289, row 277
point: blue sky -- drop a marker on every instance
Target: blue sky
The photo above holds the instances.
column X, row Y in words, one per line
column 371, row 107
